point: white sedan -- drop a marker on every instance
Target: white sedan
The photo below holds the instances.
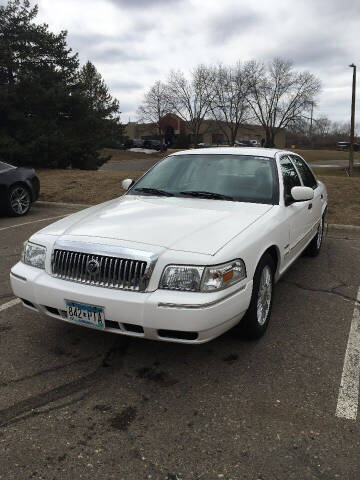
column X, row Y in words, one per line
column 191, row 250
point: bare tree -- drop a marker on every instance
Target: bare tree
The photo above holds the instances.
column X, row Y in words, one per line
column 325, row 133
column 190, row 100
column 230, row 99
column 155, row 105
column 279, row 95
column 322, row 126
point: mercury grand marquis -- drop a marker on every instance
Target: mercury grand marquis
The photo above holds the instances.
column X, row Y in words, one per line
column 192, row 249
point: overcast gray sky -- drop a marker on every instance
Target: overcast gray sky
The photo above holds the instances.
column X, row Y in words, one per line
column 133, row 43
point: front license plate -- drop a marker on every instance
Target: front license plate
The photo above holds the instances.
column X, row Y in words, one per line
column 86, row 314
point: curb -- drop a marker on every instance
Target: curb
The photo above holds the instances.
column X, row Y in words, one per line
column 328, row 226
column 347, row 228
column 42, row 203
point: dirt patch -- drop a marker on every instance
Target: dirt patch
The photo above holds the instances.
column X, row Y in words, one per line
column 154, row 375
column 123, row 420
column 102, row 408
column 231, row 358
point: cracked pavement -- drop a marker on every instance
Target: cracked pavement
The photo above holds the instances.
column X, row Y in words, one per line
column 77, row 403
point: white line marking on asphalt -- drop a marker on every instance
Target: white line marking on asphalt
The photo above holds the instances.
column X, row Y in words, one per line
column 348, row 399
column 9, row 304
column 34, row 221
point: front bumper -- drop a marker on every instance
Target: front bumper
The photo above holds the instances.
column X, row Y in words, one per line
column 185, row 317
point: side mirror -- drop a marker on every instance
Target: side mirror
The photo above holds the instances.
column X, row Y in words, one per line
column 301, row 194
column 128, row 182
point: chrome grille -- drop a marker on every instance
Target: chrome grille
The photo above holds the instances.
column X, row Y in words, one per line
column 111, row 272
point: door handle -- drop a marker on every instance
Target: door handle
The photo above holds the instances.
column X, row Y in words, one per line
column 310, row 206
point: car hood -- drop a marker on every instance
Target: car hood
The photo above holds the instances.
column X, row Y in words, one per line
column 186, row 224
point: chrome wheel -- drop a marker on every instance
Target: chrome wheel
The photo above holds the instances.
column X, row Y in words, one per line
column 264, row 295
column 319, row 235
column 19, row 200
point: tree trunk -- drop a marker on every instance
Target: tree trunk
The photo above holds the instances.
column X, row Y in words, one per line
column 269, row 138
column 161, row 136
column 233, row 136
column 272, row 139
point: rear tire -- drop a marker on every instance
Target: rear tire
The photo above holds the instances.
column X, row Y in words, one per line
column 314, row 247
column 18, row 201
column 257, row 317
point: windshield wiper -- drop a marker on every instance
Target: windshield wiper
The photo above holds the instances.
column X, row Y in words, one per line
column 154, row 191
column 201, row 194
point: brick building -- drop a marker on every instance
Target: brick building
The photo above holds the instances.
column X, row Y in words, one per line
column 173, row 126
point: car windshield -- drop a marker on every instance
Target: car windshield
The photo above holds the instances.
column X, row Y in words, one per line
column 242, row 178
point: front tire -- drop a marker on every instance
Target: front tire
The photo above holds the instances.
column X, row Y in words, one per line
column 257, row 317
column 18, row 201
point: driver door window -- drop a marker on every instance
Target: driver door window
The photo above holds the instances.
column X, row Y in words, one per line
column 290, row 178
column 305, row 172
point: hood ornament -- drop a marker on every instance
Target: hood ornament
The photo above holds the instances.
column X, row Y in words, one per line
column 93, row 266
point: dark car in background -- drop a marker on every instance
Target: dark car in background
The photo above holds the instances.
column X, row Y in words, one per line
column 246, row 143
column 154, row 145
column 138, row 143
column 141, row 143
column 19, row 188
column 134, row 143
column 346, row 146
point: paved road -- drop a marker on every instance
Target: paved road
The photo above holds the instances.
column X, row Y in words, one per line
column 77, row 403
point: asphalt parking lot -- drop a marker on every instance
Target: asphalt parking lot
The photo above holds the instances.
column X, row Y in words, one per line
column 78, row 403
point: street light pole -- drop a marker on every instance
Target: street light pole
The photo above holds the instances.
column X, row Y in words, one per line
column 352, row 126
column 311, row 123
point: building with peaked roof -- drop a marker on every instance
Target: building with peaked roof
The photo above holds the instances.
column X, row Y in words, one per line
column 172, row 128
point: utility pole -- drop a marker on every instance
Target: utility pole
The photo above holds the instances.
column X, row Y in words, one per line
column 311, row 122
column 352, row 126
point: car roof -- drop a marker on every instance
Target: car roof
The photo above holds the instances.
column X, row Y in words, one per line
column 253, row 151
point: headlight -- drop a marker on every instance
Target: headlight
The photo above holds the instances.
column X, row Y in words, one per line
column 33, row 255
column 202, row 279
column 181, row 277
column 223, row 276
